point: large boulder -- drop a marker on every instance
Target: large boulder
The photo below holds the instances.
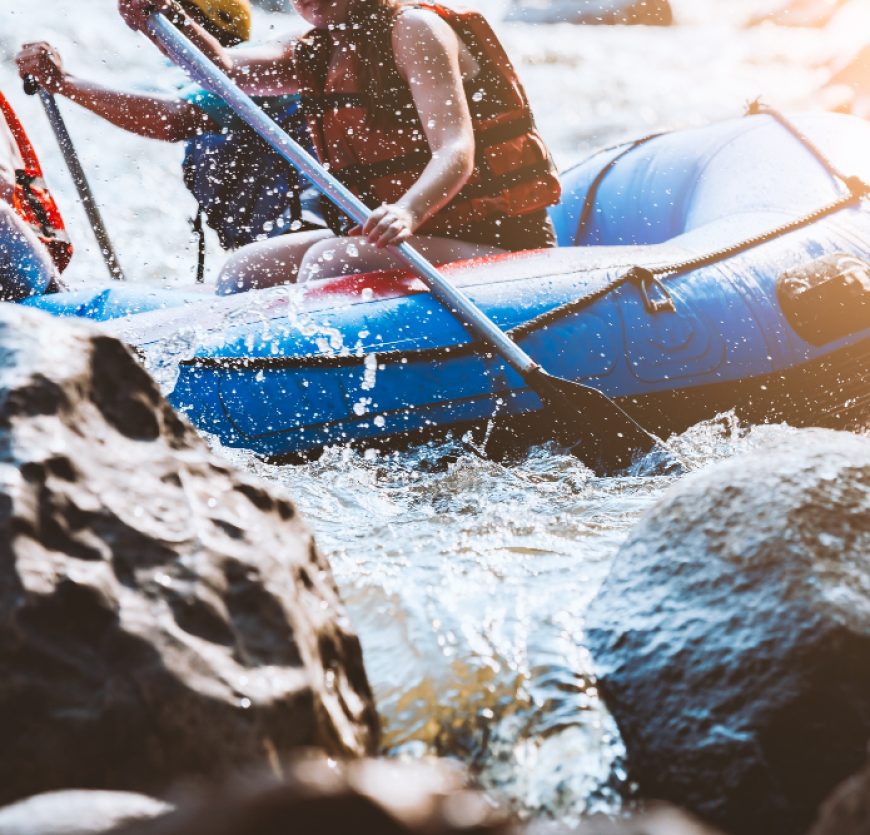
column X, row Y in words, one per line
column 658, row 820
column 79, row 812
column 847, row 810
column 161, row 614
column 372, row 796
column 732, row 635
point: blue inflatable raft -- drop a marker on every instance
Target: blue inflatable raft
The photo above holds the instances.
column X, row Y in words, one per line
column 668, row 293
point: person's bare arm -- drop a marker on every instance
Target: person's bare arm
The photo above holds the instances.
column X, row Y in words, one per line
column 265, row 70
column 150, row 116
column 427, row 57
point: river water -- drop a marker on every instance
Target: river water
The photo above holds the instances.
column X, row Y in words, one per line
column 467, row 580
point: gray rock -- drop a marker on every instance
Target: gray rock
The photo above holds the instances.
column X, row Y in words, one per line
column 161, row 614
column 847, row 810
column 76, row 812
column 658, row 820
column 380, row 797
column 732, row 635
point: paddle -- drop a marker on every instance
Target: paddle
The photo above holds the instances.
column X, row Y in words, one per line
column 608, row 437
column 31, row 87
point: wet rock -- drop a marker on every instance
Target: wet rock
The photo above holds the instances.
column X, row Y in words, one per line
column 161, row 614
column 78, row 813
column 660, row 820
column 733, row 632
column 847, row 810
column 602, row 12
column 374, row 796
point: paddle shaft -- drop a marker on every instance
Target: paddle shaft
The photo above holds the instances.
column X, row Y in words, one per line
column 204, row 72
column 581, row 410
column 64, row 140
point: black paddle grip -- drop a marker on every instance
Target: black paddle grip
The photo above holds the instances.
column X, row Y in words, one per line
column 31, row 85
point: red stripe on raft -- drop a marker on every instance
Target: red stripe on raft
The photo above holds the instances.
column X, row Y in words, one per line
column 319, row 297
column 391, row 284
column 378, row 285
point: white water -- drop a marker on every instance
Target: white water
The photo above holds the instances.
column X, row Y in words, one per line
column 467, row 580
column 588, row 86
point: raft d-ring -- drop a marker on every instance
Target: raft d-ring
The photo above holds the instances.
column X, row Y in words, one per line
column 644, row 280
column 858, row 187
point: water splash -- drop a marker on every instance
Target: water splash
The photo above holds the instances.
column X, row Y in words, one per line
column 468, row 579
column 162, row 359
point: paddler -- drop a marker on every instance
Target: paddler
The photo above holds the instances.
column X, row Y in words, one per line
column 418, row 110
column 244, row 190
column 34, row 246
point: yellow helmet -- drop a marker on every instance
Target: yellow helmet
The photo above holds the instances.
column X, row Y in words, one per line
column 228, row 20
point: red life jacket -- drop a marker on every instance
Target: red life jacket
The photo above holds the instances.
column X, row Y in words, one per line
column 513, row 172
column 32, row 201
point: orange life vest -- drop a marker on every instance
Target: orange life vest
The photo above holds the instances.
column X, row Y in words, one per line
column 513, row 172
column 32, row 200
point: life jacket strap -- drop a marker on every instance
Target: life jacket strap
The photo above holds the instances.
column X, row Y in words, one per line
column 199, row 231
column 32, row 200
column 25, row 183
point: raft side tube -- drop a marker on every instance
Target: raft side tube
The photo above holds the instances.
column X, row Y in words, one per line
column 100, row 305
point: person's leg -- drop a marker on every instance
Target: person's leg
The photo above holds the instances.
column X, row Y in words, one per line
column 26, row 268
column 344, row 256
column 267, row 263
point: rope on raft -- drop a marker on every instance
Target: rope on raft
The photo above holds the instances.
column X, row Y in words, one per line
column 644, row 278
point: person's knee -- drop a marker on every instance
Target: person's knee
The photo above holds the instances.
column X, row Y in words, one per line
column 234, row 276
column 249, row 269
column 266, row 264
column 337, row 256
column 310, row 265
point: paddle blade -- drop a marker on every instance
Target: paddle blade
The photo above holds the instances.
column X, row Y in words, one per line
column 599, row 431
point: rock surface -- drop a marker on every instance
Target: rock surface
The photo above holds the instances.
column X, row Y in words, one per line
column 375, row 796
column 661, row 820
column 733, row 633
column 161, row 614
column 847, row 810
column 76, row 812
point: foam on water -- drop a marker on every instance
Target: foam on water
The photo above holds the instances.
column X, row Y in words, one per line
column 468, row 581
column 588, row 86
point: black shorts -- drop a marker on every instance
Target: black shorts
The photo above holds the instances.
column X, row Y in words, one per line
column 531, row 231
